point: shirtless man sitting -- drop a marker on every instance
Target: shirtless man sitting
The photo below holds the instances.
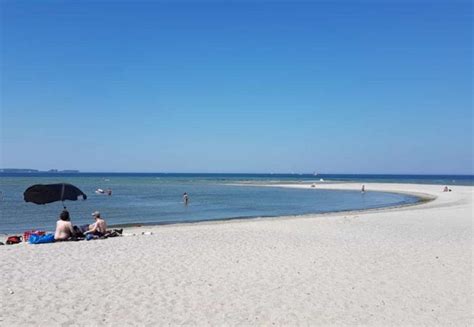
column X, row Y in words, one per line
column 99, row 227
column 64, row 228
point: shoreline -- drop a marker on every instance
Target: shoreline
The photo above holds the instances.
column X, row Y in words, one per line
column 410, row 265
column 421, row 201
column 423, row 198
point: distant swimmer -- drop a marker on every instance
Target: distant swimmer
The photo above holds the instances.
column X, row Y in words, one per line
column 109, row 192
column 363, row 189
column 185, row 198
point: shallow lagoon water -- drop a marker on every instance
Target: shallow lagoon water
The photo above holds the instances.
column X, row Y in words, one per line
column 158, row 200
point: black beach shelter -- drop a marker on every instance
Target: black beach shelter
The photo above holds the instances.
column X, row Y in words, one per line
column 47, row 193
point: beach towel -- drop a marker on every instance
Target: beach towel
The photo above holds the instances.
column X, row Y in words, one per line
column 39, row 239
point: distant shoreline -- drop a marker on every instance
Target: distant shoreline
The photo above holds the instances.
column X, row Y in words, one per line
column 35, row 171
column 318, row 175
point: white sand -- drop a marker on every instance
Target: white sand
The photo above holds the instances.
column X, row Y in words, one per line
column 405, row 266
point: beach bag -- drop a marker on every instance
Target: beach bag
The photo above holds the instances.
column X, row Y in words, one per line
column 13, row 239
column 39, row 239
column 79, row 230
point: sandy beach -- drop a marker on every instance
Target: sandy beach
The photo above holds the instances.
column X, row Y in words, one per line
column 399, row 266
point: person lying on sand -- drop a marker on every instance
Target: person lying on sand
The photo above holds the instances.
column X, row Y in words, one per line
column 64, row 229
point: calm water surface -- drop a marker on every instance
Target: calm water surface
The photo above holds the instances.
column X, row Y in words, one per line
column 157, row 199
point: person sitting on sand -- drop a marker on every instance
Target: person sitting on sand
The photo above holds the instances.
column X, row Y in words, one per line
column 64, row 229
column 446, row 189
column 98, row 228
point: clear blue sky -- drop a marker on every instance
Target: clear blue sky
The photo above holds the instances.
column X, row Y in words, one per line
column 333, row 87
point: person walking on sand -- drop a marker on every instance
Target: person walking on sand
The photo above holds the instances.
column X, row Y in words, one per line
column 185, row 198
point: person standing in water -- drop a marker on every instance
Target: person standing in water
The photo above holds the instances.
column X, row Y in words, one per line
column 185, row 198
column 363, row 189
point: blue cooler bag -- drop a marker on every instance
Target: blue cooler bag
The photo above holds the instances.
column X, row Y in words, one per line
column 36, row 239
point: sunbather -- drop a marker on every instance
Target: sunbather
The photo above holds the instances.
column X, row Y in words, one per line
column 98, row 228
column 64, row 229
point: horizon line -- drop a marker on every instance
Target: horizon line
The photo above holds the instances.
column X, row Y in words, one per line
column 77, row 171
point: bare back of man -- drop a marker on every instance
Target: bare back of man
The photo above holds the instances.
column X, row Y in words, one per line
column 63, row 231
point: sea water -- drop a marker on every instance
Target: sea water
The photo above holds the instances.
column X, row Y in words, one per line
column 157, row 198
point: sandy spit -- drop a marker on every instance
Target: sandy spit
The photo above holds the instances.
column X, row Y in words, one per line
column 393, row 267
